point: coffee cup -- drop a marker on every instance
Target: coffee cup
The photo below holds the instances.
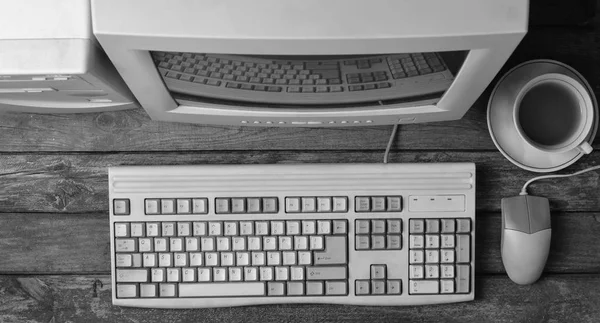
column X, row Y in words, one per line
column 554, row 113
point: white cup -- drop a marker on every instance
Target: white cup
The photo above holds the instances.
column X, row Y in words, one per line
column 554, row 113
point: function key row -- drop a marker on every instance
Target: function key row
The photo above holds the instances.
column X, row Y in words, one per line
column 226, row 205
column 176, row 206
column 308, row 204
column 378, row 204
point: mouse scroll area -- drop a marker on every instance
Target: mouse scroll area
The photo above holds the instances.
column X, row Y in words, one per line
column 524, row 255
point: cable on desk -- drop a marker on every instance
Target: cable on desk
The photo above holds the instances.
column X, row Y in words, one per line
column 524, row 189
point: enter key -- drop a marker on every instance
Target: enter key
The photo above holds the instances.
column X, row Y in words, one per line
column 335, row 252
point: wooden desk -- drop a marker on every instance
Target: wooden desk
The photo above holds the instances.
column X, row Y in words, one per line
column 54, row 233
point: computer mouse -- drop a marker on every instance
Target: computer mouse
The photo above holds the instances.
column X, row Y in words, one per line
column 526, row 236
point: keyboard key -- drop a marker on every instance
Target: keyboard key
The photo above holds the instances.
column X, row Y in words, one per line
column 126, row 290
column 463, row 225
column 378, row 287
column 324, row 227
column 196, row 259
column 394, row 287
column 148, row 290
column 316, row 243
column 304, row 258
column 157, row 275
column 463, row 273
column 363, row 226
column 285, row 243
column 300, row 243
column 362, row 204
column 188, row 275
column 238, row 244
column 167, row 290
column 277, row 228
column 273, row 258
column 167, row 206
column 326, row 273
column 254, row 243
column 423, row 287
column 221, row 290
column 222, row 205
column 416, row 271
column 121, row 206
column 281, row 273
column 266, row 273
column 432, row 241
column 339, row 227
column 362, row 287
column 378, row 204
column 447, row 240
column 246, row 228
column 378, row 271
column 432, row 226
column 463, row 247
column 314, row 288
column 432, row 256
column 336, row 288
column 377, row 242
column 152, row 206
column 394, row 242
column 173, row 274
column 340, row 204
column 223, row 243
column 165, row 260
column 394, row 226
column 308, row 227
column 275, row 289
column 269, row 243
column 432, row 271
column 183, row 206
column 447, row 271
column 160, row 244
column 250, row 273
column 448, row 225
column 416, row 226
column 242, row 258
column 168, row 229
column 335, row 251
column 215, row 229
column 292, row 227
column 207, row 244
column 238, row 205
column 138, row 229
column 324, row 204
column 288, row 258
column 416, row 256
column 125, row 245
column 211, row 259
column 270, row 205
column 121, row 229
column 363, row 242
column 292, row 204
column 204, row 274
column 230, row 228
column 183, row 229
column 447, row 286
column 131, row 275
column 253, row 205
column 295, row 288
column 377, row 226
column 123, row 260
column 219, row 274
column 200, row 206
column 175, row 244
column 199, row 228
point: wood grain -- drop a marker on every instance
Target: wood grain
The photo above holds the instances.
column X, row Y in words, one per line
column 76, row 243
column 78, row 183
column 80, row 298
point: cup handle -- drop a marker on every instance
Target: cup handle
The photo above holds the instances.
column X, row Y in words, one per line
column 585, row 148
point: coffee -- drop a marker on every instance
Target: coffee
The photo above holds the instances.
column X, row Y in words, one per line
column 550, row 115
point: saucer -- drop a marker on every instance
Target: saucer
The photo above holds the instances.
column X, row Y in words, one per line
column 502, row 127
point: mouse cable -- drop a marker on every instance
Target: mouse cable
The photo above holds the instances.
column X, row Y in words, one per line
column 524, row 189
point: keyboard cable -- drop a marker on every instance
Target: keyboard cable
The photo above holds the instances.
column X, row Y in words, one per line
column 389, row 145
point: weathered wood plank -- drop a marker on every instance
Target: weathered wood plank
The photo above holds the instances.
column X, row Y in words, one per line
column 73, row 243
column 78, row 183
column 134, row 131
column 558, row 298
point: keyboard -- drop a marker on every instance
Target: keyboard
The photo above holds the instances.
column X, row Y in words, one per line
column 329, row 81
column 235, row 235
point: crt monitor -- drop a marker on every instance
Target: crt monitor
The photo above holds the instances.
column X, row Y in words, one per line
column 308, row 63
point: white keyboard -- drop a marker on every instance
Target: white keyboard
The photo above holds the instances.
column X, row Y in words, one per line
column 233, row 235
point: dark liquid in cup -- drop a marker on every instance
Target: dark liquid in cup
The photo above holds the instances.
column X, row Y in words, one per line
column 549, row 114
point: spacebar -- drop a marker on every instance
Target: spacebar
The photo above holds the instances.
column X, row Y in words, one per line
column 221, row 289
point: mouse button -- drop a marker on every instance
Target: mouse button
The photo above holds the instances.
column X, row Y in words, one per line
column 539, row 213
column 514, row 213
